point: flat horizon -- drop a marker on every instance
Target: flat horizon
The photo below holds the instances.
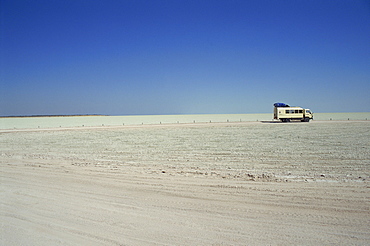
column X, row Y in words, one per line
column 76, row 115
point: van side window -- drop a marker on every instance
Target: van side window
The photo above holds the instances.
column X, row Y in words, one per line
column 287, row 111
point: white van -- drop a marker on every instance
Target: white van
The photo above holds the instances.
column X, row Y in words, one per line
column 285, row 113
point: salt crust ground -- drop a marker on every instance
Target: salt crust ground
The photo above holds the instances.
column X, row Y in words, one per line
column 248, row 183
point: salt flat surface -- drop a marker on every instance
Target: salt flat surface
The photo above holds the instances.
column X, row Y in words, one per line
column 16, row 123
column 240, row 183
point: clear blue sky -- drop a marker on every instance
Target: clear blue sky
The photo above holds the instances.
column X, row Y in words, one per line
column 183, row 57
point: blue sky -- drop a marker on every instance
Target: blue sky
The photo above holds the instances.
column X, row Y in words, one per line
column 182, row 56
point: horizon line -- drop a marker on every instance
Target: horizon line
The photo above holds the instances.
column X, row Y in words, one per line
column 86, row 115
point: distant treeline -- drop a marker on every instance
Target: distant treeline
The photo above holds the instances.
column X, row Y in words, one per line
column 58, row 115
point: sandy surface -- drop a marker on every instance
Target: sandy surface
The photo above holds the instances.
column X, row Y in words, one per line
column 247, row 183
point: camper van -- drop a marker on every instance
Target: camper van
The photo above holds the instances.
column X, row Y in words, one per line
column 286, row 113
